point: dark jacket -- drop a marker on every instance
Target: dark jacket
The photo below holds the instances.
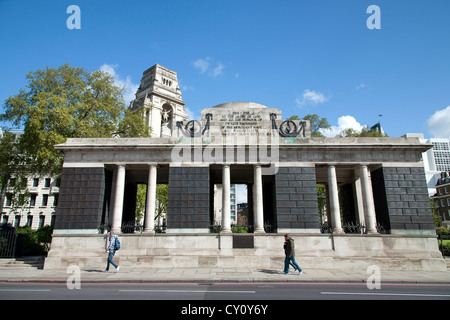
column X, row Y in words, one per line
column 289, row 248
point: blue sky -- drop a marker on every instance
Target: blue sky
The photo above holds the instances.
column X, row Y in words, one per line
column 299, row 56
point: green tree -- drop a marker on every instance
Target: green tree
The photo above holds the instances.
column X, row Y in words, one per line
column 66, row 102
column 162, row 198
column 12, row 164
column 141, row 198
column 365, row 132
column 317, row 123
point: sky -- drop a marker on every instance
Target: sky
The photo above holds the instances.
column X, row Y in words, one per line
column 302, row 57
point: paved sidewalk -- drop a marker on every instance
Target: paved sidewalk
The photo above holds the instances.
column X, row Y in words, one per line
column 212, row 275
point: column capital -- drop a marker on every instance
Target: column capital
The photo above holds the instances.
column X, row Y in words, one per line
column 332, row 164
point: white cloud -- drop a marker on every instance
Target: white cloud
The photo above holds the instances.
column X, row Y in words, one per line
column 191, row 114
column 130, row 87
column 217, row 71
column 202, row 64
column 241, row 193
column 311, row 97
column 360, row 86
column 210, row 66
column 439, row 123
column 185, row 87
column 344, row 122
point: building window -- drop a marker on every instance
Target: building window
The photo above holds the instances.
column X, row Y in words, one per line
column 41, row 221
column 44, row 200
column 17, row 221
column 33, row 200
column 8, row 200
column 47, row 183
column 55, row 199
column 36, row 182
column 29, row 221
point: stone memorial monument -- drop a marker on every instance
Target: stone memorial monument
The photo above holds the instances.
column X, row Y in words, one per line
column 376, row 209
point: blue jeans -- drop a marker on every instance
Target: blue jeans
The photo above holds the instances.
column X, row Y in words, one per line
column 291, row 261
column 110, row 260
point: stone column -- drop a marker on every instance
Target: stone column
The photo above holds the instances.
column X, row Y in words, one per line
column 258, row 213
column 151, row 200
column 226, row 211
column 118, row 199
column 367, row 195
column 336, row 226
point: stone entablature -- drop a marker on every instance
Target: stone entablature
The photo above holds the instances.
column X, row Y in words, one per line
column 390, row 151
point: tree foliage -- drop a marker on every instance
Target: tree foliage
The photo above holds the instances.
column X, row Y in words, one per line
column 317, row 123
column 365, row 132
column 66, row 102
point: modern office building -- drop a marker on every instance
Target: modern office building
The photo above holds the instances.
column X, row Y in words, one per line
column 435, row 160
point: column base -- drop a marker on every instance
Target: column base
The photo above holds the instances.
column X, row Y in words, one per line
column 337, row 231
column 374, row 231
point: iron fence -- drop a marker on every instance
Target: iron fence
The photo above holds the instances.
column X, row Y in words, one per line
column 8, row 243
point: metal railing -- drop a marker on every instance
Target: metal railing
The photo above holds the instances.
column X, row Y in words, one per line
column 352, row 227
column 8, row 243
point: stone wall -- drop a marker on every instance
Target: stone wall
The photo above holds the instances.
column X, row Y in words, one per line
column 407, row 199
column 356, row 252
column 296, row 198
column 188, row 203
column 82, row 197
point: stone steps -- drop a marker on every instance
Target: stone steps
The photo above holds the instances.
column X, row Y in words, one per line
column 22, row 263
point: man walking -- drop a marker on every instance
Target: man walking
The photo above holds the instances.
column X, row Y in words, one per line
column 111, row 250
column 289, row 251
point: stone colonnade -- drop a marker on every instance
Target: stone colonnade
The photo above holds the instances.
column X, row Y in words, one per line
column 334, row 207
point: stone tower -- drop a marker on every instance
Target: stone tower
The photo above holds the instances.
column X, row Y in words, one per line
column 159, row 101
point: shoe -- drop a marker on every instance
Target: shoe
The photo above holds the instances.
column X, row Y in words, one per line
column 105, row 271
column 118, row 269
column 286, row 273
column 301, row 272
